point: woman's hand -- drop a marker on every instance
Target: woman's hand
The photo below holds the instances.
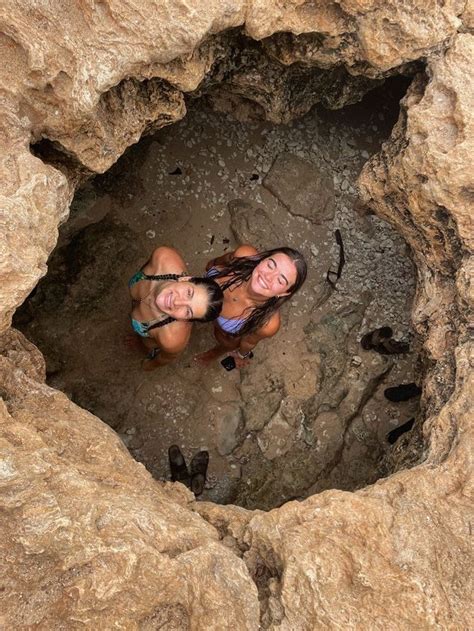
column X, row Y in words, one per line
column 239, row 361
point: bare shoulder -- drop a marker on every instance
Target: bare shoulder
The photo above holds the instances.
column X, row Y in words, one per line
column 270, row 328
column 245, row 250
column 173, row 338
column 165, row 260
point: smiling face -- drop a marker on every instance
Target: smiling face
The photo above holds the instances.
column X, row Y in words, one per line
column 183, row 300
column 274, row 276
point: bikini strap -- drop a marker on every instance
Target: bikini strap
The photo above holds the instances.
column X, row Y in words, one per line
column 164, row 322
column 144, row 276
column 168, row 320
column 161, row 276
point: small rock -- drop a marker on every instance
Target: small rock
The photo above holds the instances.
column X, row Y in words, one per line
column 228, row 431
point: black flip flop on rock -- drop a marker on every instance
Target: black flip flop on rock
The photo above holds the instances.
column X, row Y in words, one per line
column 392, row 347
column 375, row 337
column 198, row 468
column 403, row 392
column 178, row 468
column 395, row 434
column 380, row 340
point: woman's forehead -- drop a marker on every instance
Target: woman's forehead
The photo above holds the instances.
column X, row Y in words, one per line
column 285, row 265
column 200, row 291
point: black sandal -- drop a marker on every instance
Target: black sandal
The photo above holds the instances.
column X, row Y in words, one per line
column 380, row 340
column 395, row 434
column 198, row 468
column 375, row 337
column 403, row 392
column 178, row 468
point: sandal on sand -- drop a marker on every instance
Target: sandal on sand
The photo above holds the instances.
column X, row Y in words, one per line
column 178, row 468
column 403, row 392
column 375, row 337
column 395, row 434
column 198, row 468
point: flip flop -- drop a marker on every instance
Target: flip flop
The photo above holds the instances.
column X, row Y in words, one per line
column 178, row 468
column 395, row 434
column 375, row 337
column 392, row 347
column 403, row 392
column 198, row 468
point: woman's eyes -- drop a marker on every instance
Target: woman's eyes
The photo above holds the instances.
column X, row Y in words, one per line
column 280, row 280
column 271, row 264
column 190, row 293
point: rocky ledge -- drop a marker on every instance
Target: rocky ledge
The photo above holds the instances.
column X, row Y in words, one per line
column 88, row 537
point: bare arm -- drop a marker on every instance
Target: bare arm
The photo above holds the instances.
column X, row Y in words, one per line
column 249, row 342
column 167, row 258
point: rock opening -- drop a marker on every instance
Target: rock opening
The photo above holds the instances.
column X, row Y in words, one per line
column 88, row 536
column 310, row 412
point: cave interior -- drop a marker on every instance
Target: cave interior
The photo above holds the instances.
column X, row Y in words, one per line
column 309, row 413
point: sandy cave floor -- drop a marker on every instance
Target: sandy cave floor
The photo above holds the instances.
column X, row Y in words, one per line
column 309, row 413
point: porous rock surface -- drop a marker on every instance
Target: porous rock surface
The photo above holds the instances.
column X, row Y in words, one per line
column 88, row 538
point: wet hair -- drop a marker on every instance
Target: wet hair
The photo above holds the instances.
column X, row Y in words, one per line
column 214, row 293
column 215, row 296
column 240, row 269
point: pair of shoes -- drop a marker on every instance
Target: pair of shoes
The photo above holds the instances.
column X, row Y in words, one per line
column 395, row 434
column 380, row 340
column 195, row 478
column 403, row 392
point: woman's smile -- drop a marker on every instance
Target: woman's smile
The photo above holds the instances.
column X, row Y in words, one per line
column 165, row 301
column 262, row 282
column 182, row 300
column 273, row 276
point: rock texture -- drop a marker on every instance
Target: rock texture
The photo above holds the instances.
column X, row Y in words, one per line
column 88, row 538
column 250, row 83
column 419, row 183
column 367, row 36
column 314, row 200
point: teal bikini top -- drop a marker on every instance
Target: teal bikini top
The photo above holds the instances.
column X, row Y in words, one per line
column 143, row 328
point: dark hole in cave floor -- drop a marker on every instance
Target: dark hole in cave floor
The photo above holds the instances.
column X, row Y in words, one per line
column 309, row 414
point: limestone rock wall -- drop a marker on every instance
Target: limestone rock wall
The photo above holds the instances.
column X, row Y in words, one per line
column 88, row 538
column 70, row 74
column 419, row 183
column 367, row 36
column 87, row 535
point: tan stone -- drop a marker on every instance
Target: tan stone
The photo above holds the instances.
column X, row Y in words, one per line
column 88, row 537
column 368, row 36
column 305, row 190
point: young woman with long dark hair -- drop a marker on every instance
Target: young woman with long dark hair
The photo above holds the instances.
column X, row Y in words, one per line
column 165, row 303
column 255, row 284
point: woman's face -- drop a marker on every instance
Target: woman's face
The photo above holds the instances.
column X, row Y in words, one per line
column 183, row 300
column 274, row 276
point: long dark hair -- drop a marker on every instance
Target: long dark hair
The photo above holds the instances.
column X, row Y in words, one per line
column 215, row 295
column 240, row 270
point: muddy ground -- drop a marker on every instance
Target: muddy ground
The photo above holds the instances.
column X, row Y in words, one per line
column 309, row 413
